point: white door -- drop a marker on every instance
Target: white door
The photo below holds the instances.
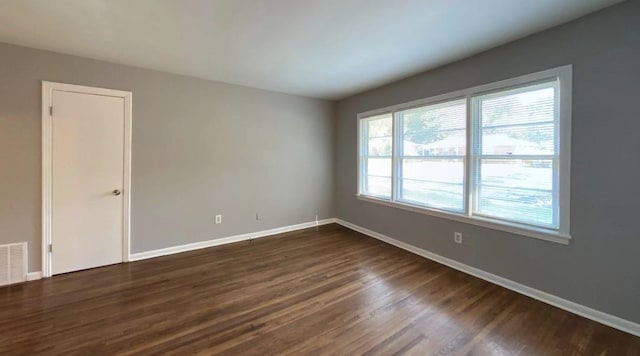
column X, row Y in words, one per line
column 87, row 180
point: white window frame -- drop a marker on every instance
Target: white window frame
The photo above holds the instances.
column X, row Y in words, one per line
column 561, row 235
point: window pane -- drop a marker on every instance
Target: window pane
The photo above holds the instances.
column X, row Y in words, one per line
column 435, row 130
column 376, row 147
column 377, row 178
column 517, row 190
column 519, row 121
column 379, row 167
column 380, row 146
column 433, row 182
column 379, row 126
column 519, row 106
column 536, row 139
column 378, row 186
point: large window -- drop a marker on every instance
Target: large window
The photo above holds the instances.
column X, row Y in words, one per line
column 495, row 155
column 432, row 155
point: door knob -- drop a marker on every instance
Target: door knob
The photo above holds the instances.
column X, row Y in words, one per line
column 116, row 192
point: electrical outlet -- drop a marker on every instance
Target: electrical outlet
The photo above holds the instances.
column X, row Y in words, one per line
column 218, row 219
column 457, row 237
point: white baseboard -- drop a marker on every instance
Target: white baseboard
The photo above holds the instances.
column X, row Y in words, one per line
column 579, row 309
column 32, row 276
column 226, row 240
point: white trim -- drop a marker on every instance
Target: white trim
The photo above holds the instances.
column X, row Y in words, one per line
column 226, row 240
column 360, row 157
column 562, row 80
column 46, row 179
column 126, row 198
column 579, row 309
column 396, row 149
column 47, row 95
column 32, row 276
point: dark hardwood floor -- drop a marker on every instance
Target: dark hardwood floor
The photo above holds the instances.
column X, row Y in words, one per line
column 331, row 291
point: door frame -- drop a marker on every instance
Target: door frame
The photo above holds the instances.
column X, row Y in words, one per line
column 47, row 96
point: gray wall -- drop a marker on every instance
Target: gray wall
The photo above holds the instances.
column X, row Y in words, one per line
column 600, row 267
column 200, row 148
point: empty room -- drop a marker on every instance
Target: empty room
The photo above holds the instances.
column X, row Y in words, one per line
column 319, row 177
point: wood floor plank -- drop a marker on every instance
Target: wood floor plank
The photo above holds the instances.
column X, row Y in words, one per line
column 321, row 291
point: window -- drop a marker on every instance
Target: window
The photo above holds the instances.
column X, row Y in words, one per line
column 376, row 177
column 495, row 155
column 515, row 155
column 432, row 155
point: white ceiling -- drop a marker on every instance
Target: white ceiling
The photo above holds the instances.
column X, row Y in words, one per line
column 318, row 48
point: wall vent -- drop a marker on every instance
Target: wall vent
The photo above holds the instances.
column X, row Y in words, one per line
column 13, row 263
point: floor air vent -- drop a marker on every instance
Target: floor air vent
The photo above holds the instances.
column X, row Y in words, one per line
column 13, row 263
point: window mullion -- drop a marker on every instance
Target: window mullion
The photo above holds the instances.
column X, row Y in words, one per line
column 396, row 139
column 472, row 164
column 559, row 140
column 363, row 134
column 468, row 159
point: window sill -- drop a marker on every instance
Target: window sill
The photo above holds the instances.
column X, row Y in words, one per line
column 523, row 230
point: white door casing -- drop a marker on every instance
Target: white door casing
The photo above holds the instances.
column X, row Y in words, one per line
column 86, row 156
